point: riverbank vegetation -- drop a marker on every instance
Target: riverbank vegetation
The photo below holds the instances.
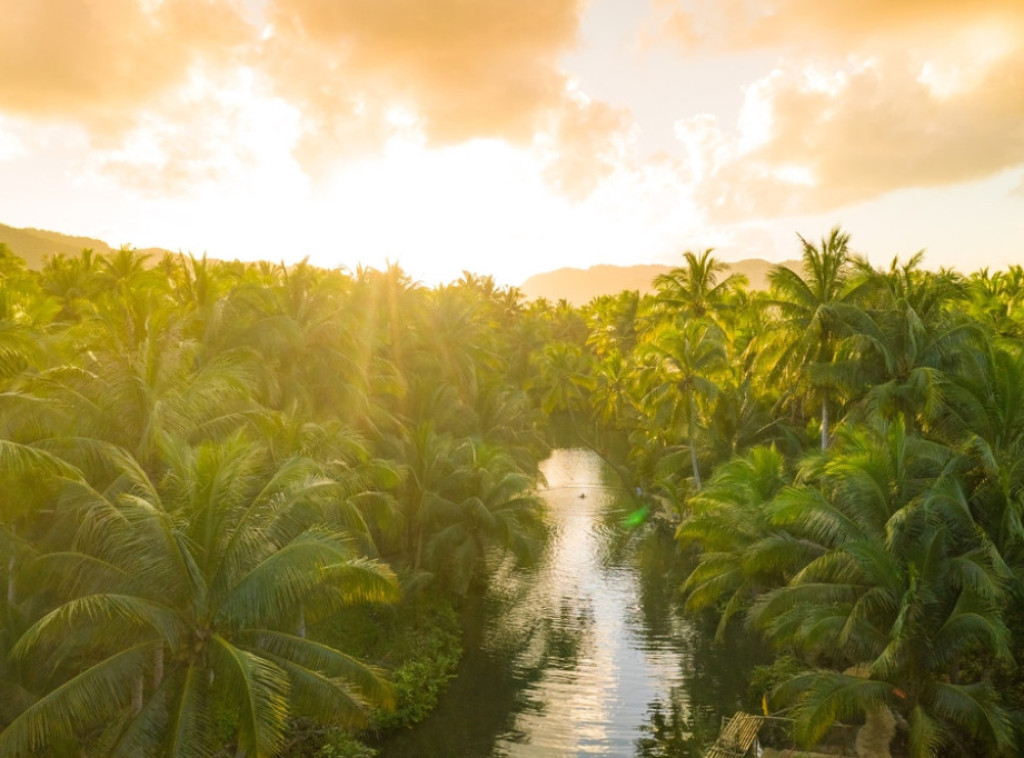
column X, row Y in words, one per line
column 842, row 454
column 237, row 496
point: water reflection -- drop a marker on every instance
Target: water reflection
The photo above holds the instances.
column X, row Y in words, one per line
column 585, row 654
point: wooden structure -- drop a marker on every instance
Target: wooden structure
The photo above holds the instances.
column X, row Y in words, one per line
column 737, row 737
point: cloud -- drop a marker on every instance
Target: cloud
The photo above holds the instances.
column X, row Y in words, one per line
column 589, row 140
column 97, row 61
column 359, row 72
column 217, row 130
column 444, row 73
column 869, row 97
column 835, row 25
column 468, row 69
column 11, row 144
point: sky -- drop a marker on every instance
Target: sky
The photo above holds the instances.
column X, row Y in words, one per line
column 511, row 137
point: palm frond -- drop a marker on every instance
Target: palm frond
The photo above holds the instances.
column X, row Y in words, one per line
column 259, row 696
column 83, row 701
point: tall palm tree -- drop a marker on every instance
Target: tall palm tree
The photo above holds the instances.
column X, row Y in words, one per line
column 686, row 359
column 134, row 388
column 74, row 282
column 616, row 323
column 438, row 472
column 695, row 291
column 501, row 515
column 816, row 310
column 563, row 379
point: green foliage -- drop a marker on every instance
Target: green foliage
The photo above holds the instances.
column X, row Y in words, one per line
column 882, row 558
column 207, row 462
column 422, row 658
column 341, row 745
column 766, row 678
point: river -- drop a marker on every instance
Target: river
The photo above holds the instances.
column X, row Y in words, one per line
column 587, row 653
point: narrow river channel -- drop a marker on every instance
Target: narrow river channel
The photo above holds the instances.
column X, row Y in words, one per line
column 587, row 653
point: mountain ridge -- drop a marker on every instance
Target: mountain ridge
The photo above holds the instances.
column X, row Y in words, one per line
column 575, row 285
column 34, row 245
column 579, row 286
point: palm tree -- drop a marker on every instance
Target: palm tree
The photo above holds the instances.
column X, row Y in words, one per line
column 20, row 342
column 995, row 300
column 616, row 323
column 743, row 554
column 686, row 359
column 72, row 281
column 188, row 597
column 501, row 515
column 903, row 596
column 135, row 388
column 563, row 379
column 908, row 347
column 694, row 291
column 438, row 472
column 614, row 390
column 816, row 310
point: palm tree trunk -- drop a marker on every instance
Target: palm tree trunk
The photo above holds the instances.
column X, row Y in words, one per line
column 691, row 430
column 824, row 421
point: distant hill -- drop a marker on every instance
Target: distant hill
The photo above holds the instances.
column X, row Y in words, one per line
column 34, row 245
column 580, row 286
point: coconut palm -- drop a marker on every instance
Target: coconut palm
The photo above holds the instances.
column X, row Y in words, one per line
column 563, row 378
column 695, row 290
column 616, row 323
column 907, row 348
column 816, row 310
column 500, row 516
column 902, row 598
column 74, row 282
column 134, row 388
column 743, row 554
column 437, row 473
column 682, row 376
column 187, row 598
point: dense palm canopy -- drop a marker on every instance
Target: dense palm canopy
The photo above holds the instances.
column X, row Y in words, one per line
column 206, row 465
column 185, row 597
column 859, row 435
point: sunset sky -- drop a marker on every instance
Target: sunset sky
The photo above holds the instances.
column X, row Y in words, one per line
column 509, row 137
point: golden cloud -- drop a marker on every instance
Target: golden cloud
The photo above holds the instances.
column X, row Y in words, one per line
column 590, row 142
column 467, row 69
column 97, row 60
column 870, row 98
column 834, row 25
column 448, row 72
column 357, row 71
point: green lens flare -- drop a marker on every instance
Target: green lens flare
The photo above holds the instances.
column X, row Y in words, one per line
column 637, row 517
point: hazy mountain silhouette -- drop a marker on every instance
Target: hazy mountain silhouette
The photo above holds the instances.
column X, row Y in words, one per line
column 580, row 286
column 34, row 245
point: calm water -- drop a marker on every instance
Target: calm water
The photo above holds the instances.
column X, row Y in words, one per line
column 587, row 653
